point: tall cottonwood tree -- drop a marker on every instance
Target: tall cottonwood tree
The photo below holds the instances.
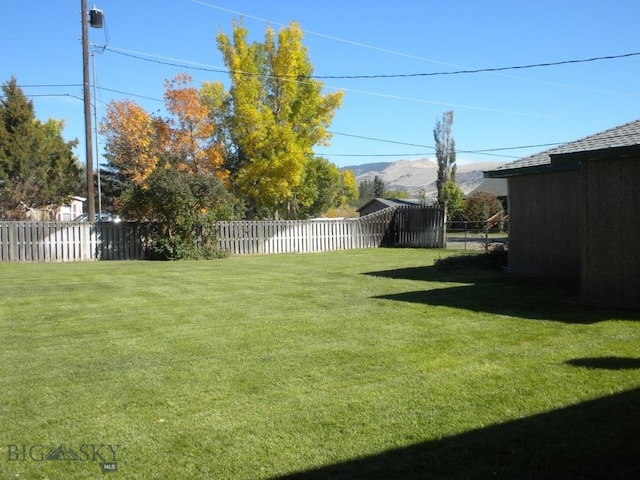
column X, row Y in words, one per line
column 449, row 193
column 275, row 115
column 37, row 166
column 445, row 152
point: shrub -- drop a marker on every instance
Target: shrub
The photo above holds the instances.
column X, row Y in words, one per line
column 181, row 207
column 479, row 207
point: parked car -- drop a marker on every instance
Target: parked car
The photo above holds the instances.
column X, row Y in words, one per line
column 99, row 217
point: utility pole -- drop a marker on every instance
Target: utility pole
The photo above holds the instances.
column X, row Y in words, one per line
column 96, row 22
column 91, row 207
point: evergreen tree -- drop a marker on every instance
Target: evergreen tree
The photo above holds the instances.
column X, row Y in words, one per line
column 37, row 166
column 379, row 188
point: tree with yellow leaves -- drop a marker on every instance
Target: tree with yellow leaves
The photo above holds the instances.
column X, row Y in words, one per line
column 276, row 114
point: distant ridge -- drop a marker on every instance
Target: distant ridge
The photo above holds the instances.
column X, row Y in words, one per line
column 367, row 167
column 413, row 176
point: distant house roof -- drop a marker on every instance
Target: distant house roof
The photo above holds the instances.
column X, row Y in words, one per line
column 391, row 202
column 626, row 135
column 493, row 185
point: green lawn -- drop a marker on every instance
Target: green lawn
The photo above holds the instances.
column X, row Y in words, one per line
column 358, row 364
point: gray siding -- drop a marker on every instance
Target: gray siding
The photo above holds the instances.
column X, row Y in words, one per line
column 544, row 224
column 611, row 229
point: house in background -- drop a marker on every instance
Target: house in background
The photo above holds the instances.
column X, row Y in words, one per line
column 71, row 210
column 497, row 186
column 379, row 203
column 574, row 211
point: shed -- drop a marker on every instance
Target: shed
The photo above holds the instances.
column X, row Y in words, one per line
column 379, row 203
column 573, row 211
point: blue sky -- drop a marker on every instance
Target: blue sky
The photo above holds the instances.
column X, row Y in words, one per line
column 40, row 41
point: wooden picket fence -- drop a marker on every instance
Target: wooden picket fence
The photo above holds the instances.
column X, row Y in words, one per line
column 409, row 226
column 70, row 241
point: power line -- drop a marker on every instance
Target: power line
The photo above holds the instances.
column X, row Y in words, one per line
column 402, row 54
column 479, row 70
column 54, row 95
column 67, row 85
column 395, row 75
column 487, row 152
column 477, row 151
column 174, row 62
column 323, row 35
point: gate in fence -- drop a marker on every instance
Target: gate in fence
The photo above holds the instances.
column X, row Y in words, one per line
column 407, row 226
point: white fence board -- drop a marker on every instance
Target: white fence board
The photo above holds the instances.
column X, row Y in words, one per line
column 73, row 241
column 69, row 241
column 424, row 228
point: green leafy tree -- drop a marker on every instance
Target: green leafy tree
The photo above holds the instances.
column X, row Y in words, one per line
column 445, row 153
column 318, row 191
column 453, row 198
column 397, row 194
column 37, row 166
column 275, row 115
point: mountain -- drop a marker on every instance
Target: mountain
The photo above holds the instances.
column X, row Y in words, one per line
column 415, row 175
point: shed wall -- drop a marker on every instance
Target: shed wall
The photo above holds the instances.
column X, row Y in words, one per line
column 372, row 207
column 611, row 232
column 544, row 224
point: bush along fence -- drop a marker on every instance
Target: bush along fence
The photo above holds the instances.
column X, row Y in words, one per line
column 71, row 241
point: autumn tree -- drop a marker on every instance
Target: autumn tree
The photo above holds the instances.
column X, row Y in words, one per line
column 480, row 206
column 348, row 187
column 169, row 170
column 135, row 140
column 188, row 133
column 131, row 141
column 275, row 115
column 37, row 166
column 445, row 154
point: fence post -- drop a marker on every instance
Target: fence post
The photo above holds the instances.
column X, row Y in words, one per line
column 13, row 242
column 260, row 226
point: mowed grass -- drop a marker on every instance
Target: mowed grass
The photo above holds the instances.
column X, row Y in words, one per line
column 357, row 364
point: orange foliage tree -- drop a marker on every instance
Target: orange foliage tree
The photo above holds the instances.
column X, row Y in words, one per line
column 130, row 136
column 136, row 140
column 190, row 129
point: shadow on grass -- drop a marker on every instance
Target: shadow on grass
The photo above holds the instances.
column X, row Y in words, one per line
column 606, row 363
column 492, row 291
column 597, row 439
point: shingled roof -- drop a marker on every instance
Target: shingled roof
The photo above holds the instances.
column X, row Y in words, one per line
column 622, row 136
